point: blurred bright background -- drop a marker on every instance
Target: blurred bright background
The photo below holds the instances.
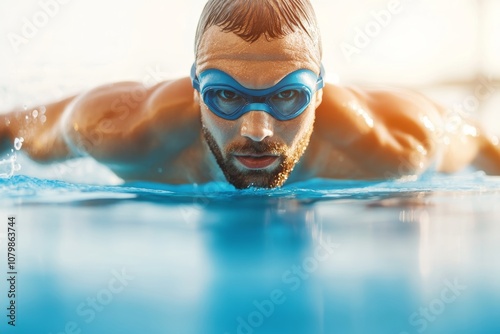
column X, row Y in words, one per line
column 448, row 49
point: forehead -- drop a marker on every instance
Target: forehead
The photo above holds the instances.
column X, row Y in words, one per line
column 259, row 64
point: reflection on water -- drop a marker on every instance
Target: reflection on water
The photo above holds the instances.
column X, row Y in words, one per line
column 408, row 262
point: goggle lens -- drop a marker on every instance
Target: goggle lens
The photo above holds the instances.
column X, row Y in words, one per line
column 228, row 99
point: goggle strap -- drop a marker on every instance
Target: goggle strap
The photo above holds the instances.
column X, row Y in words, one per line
column 194, row 78
column 320, row 83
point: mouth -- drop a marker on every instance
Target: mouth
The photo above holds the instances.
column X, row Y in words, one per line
column 257, row 161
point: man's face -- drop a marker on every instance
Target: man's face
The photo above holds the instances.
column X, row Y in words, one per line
column 257, row 149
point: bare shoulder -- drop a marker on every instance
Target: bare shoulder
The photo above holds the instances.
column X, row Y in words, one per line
column 376, row 128
column 381, row 102
column 393, row 109
column 129, row 103
column 400, row 103
column 172, row 106
column 121, row 122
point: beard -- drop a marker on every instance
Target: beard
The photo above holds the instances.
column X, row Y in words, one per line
column 288, row 156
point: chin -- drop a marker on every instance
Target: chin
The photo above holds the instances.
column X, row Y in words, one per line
column 266, row 180
column 258, row 178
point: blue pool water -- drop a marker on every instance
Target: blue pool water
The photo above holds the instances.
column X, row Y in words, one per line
column 315, row 257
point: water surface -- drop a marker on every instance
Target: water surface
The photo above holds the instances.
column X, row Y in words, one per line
column 316, row 257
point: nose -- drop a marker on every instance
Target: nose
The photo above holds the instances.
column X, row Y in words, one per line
column 257, row 125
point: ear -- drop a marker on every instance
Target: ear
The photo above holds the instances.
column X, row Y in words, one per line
column 196, row 96
column 319, row 98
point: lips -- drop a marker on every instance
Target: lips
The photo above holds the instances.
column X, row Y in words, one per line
column 256, row 161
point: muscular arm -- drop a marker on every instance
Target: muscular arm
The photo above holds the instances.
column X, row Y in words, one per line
column 118, row 124
column 384, row 133
column 392, row 133
column 41, row 134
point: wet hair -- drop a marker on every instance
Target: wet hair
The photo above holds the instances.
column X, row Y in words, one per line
column 250, row 19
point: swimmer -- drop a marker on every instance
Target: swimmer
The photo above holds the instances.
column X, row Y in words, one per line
column 256, row 112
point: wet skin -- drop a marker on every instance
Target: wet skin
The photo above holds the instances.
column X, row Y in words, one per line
column 160, row 133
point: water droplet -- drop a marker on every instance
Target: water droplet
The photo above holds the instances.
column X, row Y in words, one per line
column 26, row 117
column 16, row 167
column 43, row 118
column 43, row 110
column 35, row 113
column 25, row 107
column 7, row 121
column 18, row 143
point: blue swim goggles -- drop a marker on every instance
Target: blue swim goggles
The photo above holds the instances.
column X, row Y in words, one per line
column 284, row 101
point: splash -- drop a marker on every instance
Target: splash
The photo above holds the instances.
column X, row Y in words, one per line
column 9, row 166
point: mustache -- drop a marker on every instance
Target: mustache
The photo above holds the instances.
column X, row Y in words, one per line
column 251, row 147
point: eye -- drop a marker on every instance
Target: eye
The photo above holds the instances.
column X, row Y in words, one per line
column 227, row 95
column 287, row 102
column 286, row 95
column 224, row 101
